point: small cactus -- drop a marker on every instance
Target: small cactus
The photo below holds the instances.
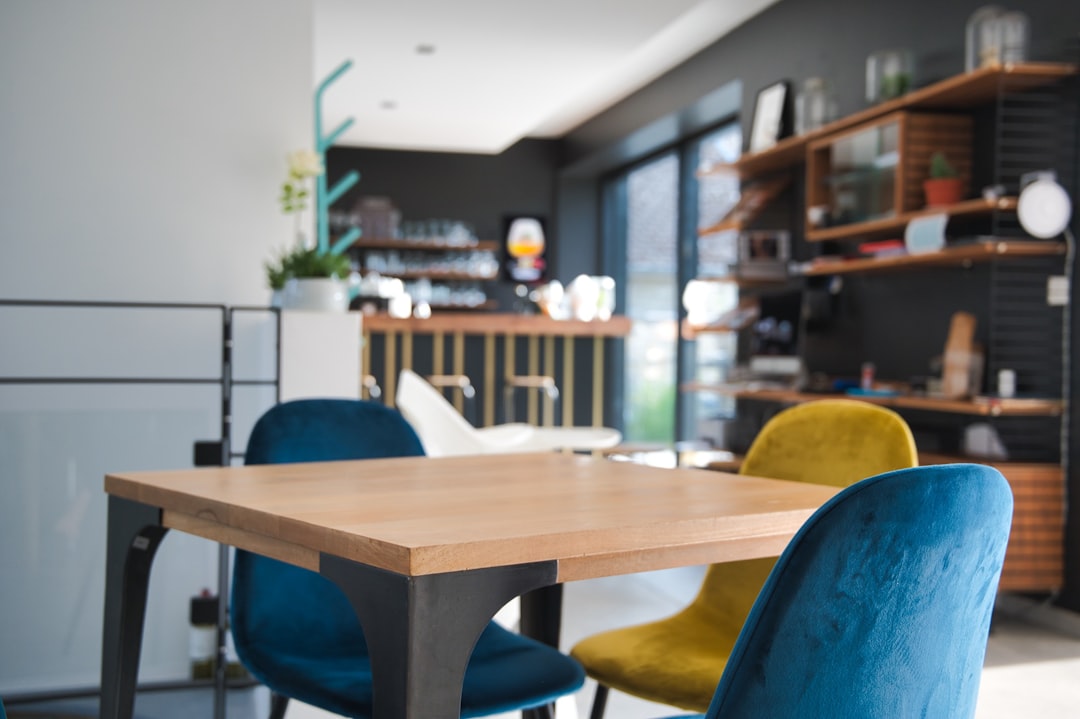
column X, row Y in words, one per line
column 941, row 167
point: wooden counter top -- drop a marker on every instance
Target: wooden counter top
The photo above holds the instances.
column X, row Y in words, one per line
column 497, row 323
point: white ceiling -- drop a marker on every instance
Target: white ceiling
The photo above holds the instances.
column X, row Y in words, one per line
column 501, row 70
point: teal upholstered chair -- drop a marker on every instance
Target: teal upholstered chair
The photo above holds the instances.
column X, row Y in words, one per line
column 297, row 633
column 880, row 606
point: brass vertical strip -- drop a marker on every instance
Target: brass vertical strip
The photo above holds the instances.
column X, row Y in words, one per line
column 365, row 363
column 459, row 369
column 549, row 368
column 437, row 351
column 489, row 379
column 534, row 370
column 598, row 382
column 406, row 349
column 509, row 370
column 568, row 381
column 390, row 380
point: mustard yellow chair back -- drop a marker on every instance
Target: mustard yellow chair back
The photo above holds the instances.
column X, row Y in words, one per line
column 679, row 660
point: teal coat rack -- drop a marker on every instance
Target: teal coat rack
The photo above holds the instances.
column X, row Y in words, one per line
column 325, row 197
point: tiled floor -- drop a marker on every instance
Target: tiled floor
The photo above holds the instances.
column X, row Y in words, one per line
column 1032, row 664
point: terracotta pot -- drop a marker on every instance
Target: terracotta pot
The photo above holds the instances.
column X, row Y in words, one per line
column 943, row 191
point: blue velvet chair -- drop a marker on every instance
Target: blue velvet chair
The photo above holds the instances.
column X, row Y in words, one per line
column 880, row 606
column 297, row 633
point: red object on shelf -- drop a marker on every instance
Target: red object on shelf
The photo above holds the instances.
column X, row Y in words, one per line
column 883, row 248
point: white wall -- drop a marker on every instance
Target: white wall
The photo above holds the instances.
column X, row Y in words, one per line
column 142, row 146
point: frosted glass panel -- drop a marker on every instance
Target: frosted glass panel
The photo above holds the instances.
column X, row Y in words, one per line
column 52, row 526
column 57, row 442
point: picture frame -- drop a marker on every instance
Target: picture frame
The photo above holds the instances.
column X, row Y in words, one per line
column 772, row 116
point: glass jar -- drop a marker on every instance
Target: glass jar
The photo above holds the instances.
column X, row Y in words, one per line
column 814, row 107
column 1013, row 31
column 889, row 75
column 983, row 38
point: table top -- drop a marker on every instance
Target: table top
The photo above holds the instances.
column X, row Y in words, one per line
column 420, row 515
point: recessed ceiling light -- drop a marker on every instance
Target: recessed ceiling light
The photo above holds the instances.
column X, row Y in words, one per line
column 388, row 105
column 425, row 49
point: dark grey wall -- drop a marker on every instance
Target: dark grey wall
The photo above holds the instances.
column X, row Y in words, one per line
column 796, row 39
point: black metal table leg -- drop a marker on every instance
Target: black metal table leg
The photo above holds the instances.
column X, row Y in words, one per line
column 134, row 533
column 421, row 630
column 541, row 619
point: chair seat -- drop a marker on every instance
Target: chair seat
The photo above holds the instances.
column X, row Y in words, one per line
column 503, row 671
column 637, row 660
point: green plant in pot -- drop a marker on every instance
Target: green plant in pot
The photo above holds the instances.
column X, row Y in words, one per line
column 304, row 262
column 304, row 277
column 944, row 186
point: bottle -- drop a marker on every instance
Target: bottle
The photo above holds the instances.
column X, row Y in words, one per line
column 866, row 379
column 202, row 640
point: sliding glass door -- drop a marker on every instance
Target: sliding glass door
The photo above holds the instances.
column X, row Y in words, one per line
column 652, row 215
column 652, row 295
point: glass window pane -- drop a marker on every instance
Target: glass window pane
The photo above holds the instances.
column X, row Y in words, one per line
column 652, row 297
column 712, row 355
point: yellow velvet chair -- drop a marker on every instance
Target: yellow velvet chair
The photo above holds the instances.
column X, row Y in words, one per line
column 679, row 660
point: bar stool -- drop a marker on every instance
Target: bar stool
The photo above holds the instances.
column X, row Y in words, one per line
column 544, row 384
column 463, row 384
column 538, row 376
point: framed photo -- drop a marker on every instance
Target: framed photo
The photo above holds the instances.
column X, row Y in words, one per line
column 772, row 116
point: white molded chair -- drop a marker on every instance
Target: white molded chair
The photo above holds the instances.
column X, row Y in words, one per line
column 445, row 432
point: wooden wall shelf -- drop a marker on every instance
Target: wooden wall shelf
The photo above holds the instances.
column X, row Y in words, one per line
column 438, row 275
column 980, row 406
column 964, row 90
column 895, row 225
column 958, row 255
column 396, row 244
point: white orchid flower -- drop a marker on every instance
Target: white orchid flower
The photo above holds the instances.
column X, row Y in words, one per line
column 305, row 163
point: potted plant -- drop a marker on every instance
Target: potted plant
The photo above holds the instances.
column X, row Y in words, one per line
column 304, row 277
column 944, row 186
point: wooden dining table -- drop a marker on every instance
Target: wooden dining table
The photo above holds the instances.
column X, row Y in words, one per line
column 428, row 549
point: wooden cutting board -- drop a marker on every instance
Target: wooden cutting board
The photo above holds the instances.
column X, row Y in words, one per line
column 959, row 357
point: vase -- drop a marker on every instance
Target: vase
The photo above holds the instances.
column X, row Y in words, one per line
column 319, row 294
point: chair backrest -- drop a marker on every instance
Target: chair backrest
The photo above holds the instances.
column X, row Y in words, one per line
column 443, row 430
column 831, row 441
column 276, row 607
column 880, row 606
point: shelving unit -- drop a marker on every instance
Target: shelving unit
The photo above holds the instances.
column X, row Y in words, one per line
column 398, row 258
column 961, row 91
column 1032, row 107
